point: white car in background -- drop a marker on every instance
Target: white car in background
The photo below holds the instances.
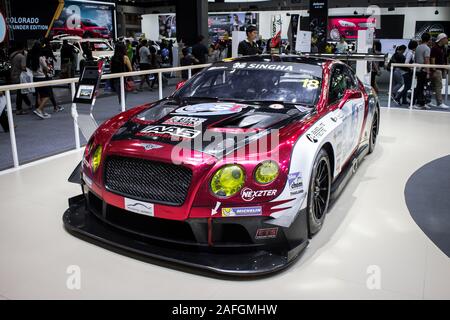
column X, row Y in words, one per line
column 101, row 50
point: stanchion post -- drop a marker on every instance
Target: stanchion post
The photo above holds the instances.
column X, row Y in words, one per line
column 160, row 85
column 12, row 133
column 122, row 93
column 189, row 73
column 390, row 86
column 75, row 117
column 413, row 87
column 446, row 86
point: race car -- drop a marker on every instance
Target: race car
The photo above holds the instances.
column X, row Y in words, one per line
column 234, row 172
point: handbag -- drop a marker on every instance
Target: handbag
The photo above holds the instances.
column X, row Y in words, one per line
column 26, row 77
column 129, row 85
column 2, row 103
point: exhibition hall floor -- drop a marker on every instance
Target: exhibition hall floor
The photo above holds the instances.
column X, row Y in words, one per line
column 369, row 235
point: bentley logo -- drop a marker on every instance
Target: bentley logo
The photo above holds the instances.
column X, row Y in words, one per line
column 312, row 138
column 150, row 146
column 238, row 65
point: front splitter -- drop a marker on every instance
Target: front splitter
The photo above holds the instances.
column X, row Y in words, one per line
column 82, row 223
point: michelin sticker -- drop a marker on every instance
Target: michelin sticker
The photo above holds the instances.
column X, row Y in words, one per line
column 241, row 212
column 139, row 207
column 295, row 183
column 210, row 109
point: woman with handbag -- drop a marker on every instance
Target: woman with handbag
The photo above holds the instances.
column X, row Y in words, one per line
column 119, row 63
column 50, row 59
column 40, row 70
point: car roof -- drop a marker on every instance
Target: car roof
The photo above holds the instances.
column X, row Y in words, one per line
column 291, row 58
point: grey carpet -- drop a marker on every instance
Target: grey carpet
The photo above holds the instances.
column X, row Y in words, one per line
column 427, row 195
column 38, row 138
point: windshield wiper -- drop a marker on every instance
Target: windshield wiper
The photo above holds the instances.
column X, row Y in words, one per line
column 278, row 102
column 214, row 99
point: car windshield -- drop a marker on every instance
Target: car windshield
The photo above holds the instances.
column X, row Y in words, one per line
column 257, row 82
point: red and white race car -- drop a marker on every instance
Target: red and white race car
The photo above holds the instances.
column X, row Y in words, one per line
column 232, row 173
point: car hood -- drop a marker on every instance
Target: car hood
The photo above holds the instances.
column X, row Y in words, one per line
column 215, row 128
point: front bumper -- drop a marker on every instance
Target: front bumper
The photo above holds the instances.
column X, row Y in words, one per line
column 227, row 258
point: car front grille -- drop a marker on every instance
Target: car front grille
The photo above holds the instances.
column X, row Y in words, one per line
column 147, row 180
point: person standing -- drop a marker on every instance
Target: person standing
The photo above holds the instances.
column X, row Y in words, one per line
column 136, row 59
column 438, row 56
column 18, row 61
column 423, row 53
column 129, row 49
column 375, row 66
column 3, row 113
column 67, row 59
column 342, row 46
column 119, row 63
column 213, row 53
column 47, row 52
column 187, row 60
column 146, row 58
column 408, row 73
column 200, row 52
column 398, row 57
column 248, row 47
column 40, row 69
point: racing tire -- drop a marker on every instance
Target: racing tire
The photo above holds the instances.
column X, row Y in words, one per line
column 374, row 129
column 319, row 193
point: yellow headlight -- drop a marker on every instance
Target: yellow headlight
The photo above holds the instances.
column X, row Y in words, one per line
column 96, row 158
column 227, row 181
column 267, row 172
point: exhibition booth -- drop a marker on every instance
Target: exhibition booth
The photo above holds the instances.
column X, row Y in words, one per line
column 166, row 171
column 392, row 27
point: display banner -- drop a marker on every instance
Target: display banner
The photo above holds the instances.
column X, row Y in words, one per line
column 167, row 26
column 275, row 34
column 85, row 19
column 293, row 29
column 53, row 17
column 31, row 21
column 348, row 27
column 220, row 24
column 432, row 27
column 318, row 20
column 303, row 42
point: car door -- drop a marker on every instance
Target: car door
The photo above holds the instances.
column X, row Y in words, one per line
column 348, row 112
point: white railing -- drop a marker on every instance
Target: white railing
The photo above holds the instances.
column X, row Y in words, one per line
column 72, row 81
column 415, row 66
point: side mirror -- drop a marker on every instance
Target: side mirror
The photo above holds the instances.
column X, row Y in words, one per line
column 180, row 85
column 351, row 94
